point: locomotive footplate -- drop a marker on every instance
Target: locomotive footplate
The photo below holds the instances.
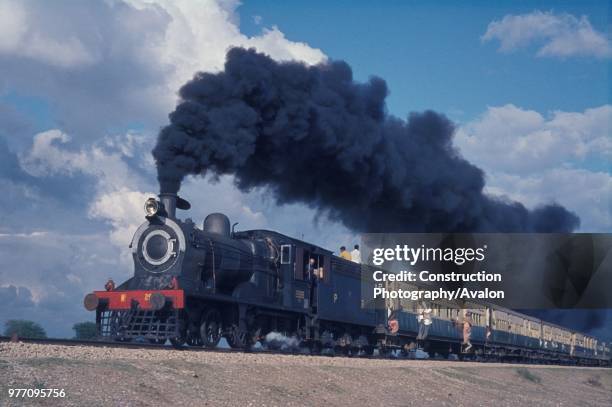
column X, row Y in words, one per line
column 124, row 299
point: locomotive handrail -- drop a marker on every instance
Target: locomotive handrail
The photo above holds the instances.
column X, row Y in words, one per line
column 214, row 274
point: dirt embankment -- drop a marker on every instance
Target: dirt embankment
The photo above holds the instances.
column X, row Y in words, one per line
column 128, row 377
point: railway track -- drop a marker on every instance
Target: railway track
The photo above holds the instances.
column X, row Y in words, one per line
column 293, row 351
column 147, row 345
column 121, row 344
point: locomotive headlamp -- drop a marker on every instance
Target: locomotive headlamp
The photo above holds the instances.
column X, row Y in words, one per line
column 151, row 207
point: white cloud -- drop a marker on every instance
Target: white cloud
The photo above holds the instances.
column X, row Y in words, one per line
column 274, row 43
column 50, row 155
column 46, row 157
column 94, row 63
column 517, row 140
column 20, row 36
column 587, row 193
column 34, row 234
column 107, row 65
column 557, row 35
column 123, row 209
column 537, row 160
column 200, row 33
column 118, row 198
column 220, row 196
column 12, row 25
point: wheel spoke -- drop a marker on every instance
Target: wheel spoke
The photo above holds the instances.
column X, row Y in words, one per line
column 210, row 329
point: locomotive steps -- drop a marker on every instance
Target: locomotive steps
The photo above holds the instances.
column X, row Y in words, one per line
column 119, row 376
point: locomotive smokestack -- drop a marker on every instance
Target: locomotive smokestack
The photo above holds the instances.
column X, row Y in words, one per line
column 168, row 199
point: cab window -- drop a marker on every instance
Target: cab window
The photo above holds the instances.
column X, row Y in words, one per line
column 320, row 265
column 285, row 254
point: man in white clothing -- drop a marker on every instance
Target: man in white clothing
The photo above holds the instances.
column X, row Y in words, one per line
column 356, row 254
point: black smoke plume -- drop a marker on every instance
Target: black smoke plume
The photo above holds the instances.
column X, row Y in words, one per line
column 311, row 134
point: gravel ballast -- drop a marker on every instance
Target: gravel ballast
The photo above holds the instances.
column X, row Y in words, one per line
column 97, row 376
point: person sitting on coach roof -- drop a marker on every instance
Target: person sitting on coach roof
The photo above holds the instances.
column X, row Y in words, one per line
column 344, row 253
column 356, row 254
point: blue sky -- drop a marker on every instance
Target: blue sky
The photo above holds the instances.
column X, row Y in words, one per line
column 431, row 55
column 86, row 86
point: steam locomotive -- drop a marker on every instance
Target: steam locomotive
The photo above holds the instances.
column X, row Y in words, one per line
column 195, row 285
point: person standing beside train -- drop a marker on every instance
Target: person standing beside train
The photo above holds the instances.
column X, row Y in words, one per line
column 424, row 319
column 467, row 331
